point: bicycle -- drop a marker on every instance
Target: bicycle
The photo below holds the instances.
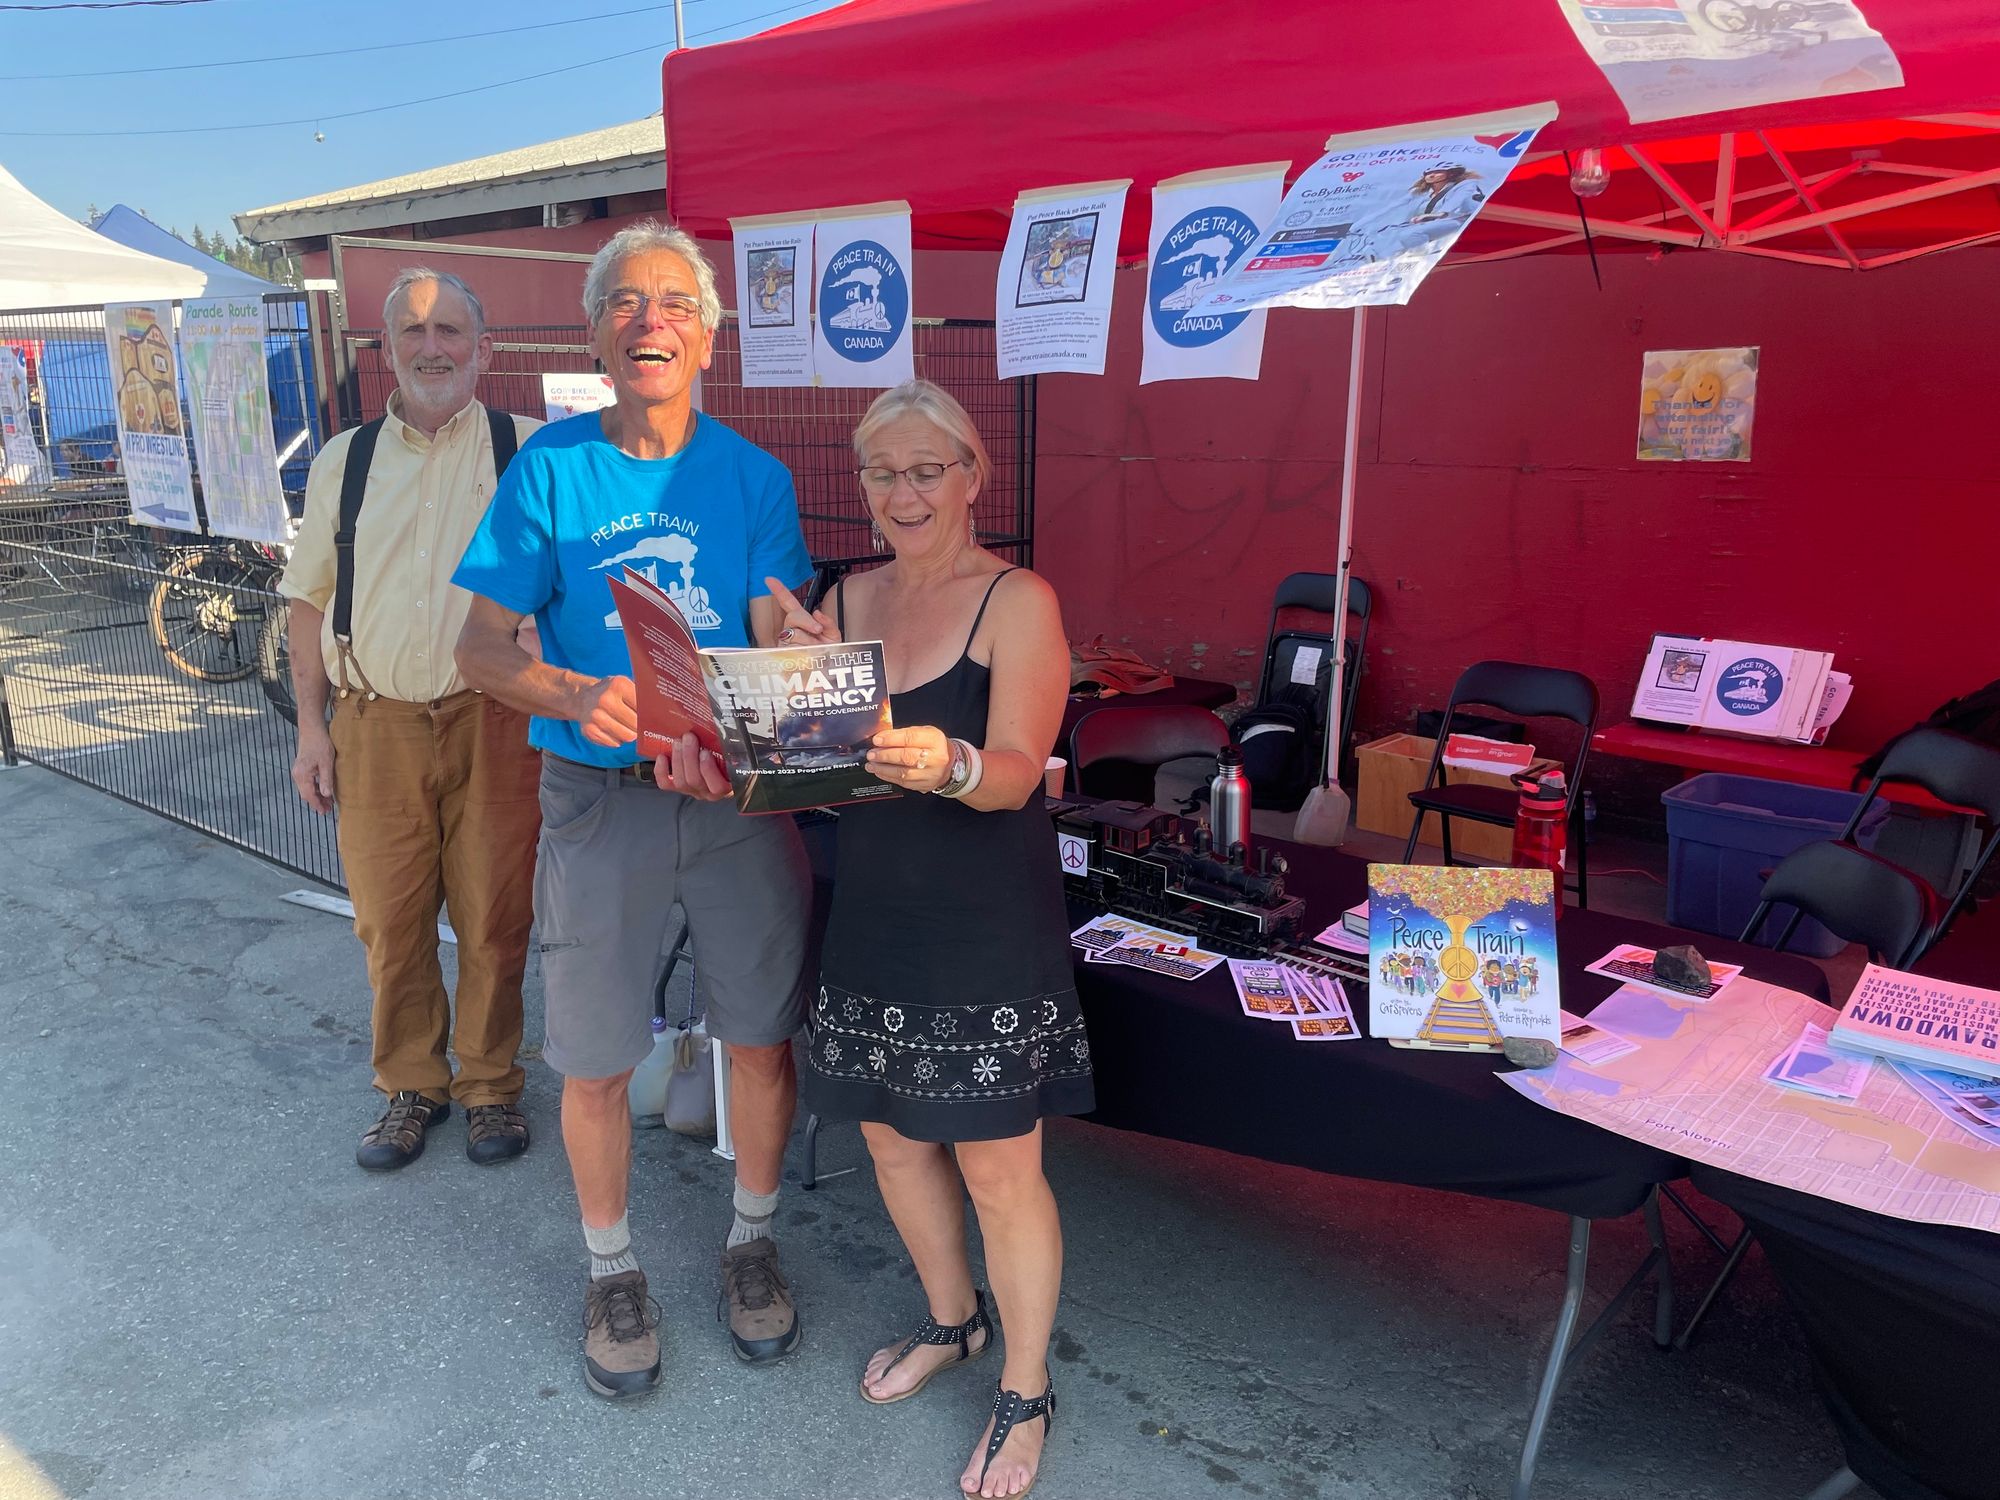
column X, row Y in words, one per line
column 1786, row 18
column 210, row 611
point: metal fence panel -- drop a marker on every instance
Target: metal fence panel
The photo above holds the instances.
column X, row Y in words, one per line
column 90, row 691
column 808, row 429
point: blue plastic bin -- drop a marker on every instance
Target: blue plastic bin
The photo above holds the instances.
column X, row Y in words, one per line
column 1724, row 832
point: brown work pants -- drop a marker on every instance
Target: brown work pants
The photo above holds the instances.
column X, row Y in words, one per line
column 439, row 809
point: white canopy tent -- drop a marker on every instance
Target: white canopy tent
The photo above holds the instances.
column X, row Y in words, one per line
column 48, row 260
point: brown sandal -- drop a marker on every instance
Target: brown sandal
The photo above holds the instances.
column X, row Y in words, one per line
column 930, row 1331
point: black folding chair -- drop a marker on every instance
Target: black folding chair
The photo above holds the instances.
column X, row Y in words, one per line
column 1115, row 752
column 1857, row 896
column 1318, row 593
column 1526, row 692
column 1952, row 768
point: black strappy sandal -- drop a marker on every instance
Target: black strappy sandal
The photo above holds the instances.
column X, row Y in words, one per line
column 931, row 1331
column 1010, row 1408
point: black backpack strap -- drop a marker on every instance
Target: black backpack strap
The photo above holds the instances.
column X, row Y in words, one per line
column 353, row 490
column 505, row 441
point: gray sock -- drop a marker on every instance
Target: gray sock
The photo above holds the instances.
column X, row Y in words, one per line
column 753, row 1217
column 611, row 1249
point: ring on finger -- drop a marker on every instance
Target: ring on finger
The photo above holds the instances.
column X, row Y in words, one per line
column 924, row 758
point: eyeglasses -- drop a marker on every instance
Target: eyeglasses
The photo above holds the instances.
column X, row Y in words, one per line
column 675, row 307
column 923, row 477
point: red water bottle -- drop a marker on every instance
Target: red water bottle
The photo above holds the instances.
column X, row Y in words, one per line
column 1540, row 827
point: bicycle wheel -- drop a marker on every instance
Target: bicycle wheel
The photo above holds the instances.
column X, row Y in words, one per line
column 274, row 665
column 205, row 616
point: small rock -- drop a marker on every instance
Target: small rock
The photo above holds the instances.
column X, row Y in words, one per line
column 1684, row 968
column 1529, row 1051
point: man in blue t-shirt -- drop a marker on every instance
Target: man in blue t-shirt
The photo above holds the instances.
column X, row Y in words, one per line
column 649, row 483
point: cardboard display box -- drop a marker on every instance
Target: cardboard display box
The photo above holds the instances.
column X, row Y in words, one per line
column 1394, row 766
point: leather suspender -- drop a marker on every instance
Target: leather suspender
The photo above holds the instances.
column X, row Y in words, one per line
column 353, row 490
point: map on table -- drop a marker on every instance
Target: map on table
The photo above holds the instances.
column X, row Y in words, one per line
column 1695, row 1087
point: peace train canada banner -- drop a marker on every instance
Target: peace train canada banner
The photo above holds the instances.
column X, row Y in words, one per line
column 1365, row 223
column 1462, row 957
column 1203, row 224
column 861, row 274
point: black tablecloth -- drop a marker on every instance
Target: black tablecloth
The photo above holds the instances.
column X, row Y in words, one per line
column 1179, row 1059
column 1903, row 1324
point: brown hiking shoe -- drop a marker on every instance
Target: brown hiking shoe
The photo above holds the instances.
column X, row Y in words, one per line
column 621, row 1349
column 397, row 1139
column 763, row 1325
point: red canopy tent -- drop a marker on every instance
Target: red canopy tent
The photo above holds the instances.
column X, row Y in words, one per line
column 957, row 105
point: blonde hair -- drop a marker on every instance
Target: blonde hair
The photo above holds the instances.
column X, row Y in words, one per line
column 936, row 405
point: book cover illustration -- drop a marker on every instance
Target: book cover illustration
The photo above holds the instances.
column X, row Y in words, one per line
column 1462, row 958
column 793, row 725
column 798, row 721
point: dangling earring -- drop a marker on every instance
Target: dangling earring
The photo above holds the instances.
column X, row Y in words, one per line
column 971, row 527
column 875, row 535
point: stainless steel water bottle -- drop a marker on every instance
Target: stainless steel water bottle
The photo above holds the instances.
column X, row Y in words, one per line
column 1229, row 804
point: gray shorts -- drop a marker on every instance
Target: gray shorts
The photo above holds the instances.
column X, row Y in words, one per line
column 615, row 855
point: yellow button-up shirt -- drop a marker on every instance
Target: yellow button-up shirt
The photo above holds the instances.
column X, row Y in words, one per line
column 425, row 497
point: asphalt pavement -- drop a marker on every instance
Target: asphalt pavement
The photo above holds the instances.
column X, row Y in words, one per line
column 200, row 1295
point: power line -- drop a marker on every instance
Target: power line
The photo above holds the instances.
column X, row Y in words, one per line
column 109, row 4
column 377, row 109
column 241, row 62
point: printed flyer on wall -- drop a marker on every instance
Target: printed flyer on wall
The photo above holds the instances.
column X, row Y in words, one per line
column 793, row 725
column 1697, row 405
column 1203, row 223
column 152, row 443
column 1052, row 307
column 565, row 394
column 21, row 458
column 1365, row 223
column 1668, row 58
column 222, row 344
column 861, row 270
column 774, row 256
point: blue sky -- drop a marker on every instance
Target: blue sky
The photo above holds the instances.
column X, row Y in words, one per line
column 181, row 180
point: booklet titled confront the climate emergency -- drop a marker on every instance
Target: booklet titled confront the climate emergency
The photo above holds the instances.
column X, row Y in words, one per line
column 792, row 724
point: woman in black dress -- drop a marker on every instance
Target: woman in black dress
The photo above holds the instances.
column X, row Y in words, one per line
column 946, row 1020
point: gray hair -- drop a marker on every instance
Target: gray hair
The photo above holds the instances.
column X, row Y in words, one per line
column 936, row 405
column 642, row 238
column 410, row 276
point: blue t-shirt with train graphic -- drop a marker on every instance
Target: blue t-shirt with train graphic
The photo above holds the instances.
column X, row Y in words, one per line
column 708, row 525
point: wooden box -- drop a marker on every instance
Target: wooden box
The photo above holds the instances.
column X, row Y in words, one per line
column 1394, row 766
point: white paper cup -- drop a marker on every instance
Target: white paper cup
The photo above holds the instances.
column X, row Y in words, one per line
column 1052, row 775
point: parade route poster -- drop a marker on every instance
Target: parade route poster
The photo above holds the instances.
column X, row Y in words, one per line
column 565, row 394
column 1053, row 303
column 1365, row 223
column 1203, row 223
column 774, row 299
column 222, row 345
column 1697, row 404
column 1668, row 58
column 21, row 460
column 152, row 447
column 861, row 271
